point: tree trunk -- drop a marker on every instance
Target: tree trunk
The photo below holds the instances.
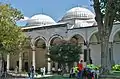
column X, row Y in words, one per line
column 104, row 30
column 105, row 62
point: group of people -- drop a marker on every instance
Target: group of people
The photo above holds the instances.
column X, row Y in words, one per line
column 82, row 72
column 31, row 73
column 43, row 70
column 59, row 70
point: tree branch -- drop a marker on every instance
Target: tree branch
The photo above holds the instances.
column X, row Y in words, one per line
column 109, row 16
column 98, row 18
column 97, row 9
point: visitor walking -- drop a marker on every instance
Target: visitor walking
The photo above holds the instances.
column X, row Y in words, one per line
column 80, row 69
column 16, row 69
column 32, row 72
column 72, row 73
column 53, row 70
column 59, row 71
column 5, row 69
column 41, row 70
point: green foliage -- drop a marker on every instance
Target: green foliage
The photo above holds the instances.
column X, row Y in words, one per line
column 116, row 67
column 117, row 16
column 115, row 6
column 65, row 53
column 10, row 35
column 25, row 45
column 92, row 66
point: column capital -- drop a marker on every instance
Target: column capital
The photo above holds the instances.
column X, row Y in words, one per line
column 33, row 47
column 111, row 44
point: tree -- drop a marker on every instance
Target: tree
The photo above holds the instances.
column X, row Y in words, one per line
column 10, row 35
column 65, row 53
column 107, row 12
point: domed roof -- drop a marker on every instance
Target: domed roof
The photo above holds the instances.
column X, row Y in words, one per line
column 40, row 19
column 78, row 13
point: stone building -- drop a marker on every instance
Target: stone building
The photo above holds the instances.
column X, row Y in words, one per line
column 77, row 25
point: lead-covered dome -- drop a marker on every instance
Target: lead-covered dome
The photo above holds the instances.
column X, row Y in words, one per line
column 40, row 19
column 78, row 13
column 79, row 17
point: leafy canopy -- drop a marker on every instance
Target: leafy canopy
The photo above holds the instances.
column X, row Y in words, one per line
column 65, row 53
column 104, row 5
column 10, row 35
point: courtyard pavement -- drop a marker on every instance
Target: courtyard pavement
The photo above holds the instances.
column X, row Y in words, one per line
column 12, row 75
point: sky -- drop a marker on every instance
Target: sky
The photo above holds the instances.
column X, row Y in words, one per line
column 54, row 8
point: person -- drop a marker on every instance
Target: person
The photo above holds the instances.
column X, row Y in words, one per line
column 32, row 72
column 5, row 69
column 44, row 71
column 16, row 69
column 96, row 73
column 91, row 60
column 72, row 73
column 76, row 70
column 53, row 70
column 80, row 69
column 59, row 71
column 29, row 73
column 41, row 69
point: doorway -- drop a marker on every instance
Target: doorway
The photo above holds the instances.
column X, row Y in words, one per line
column 26, row 66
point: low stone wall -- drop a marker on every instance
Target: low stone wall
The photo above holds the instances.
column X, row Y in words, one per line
column 109, row 77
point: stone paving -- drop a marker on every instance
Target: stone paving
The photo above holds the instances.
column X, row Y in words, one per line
column 23, row 76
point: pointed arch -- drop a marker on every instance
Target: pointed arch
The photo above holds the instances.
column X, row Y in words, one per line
column 54, row 36
column 93, row 32
column 38, row 38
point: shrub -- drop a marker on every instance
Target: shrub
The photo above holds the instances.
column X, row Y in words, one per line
column 116, row 67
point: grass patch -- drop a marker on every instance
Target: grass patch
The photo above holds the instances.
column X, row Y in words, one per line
column 116, row 73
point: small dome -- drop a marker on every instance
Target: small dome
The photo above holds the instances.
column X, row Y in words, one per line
column 40, row 19
column 78, row 13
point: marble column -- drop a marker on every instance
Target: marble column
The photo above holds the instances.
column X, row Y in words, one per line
column 33, row 57
column 49, row 63
column 88, row 55
column 20, row 62
column 8, row 62
column 49, row 66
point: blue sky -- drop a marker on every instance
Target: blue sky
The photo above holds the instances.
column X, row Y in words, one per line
column 54, row 8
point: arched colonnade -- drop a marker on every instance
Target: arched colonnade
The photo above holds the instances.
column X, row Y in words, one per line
column 87, row 37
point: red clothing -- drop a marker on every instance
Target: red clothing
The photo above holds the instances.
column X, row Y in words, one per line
column 80, row 67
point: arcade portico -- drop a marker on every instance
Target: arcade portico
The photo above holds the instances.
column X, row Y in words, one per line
column 77, row 25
